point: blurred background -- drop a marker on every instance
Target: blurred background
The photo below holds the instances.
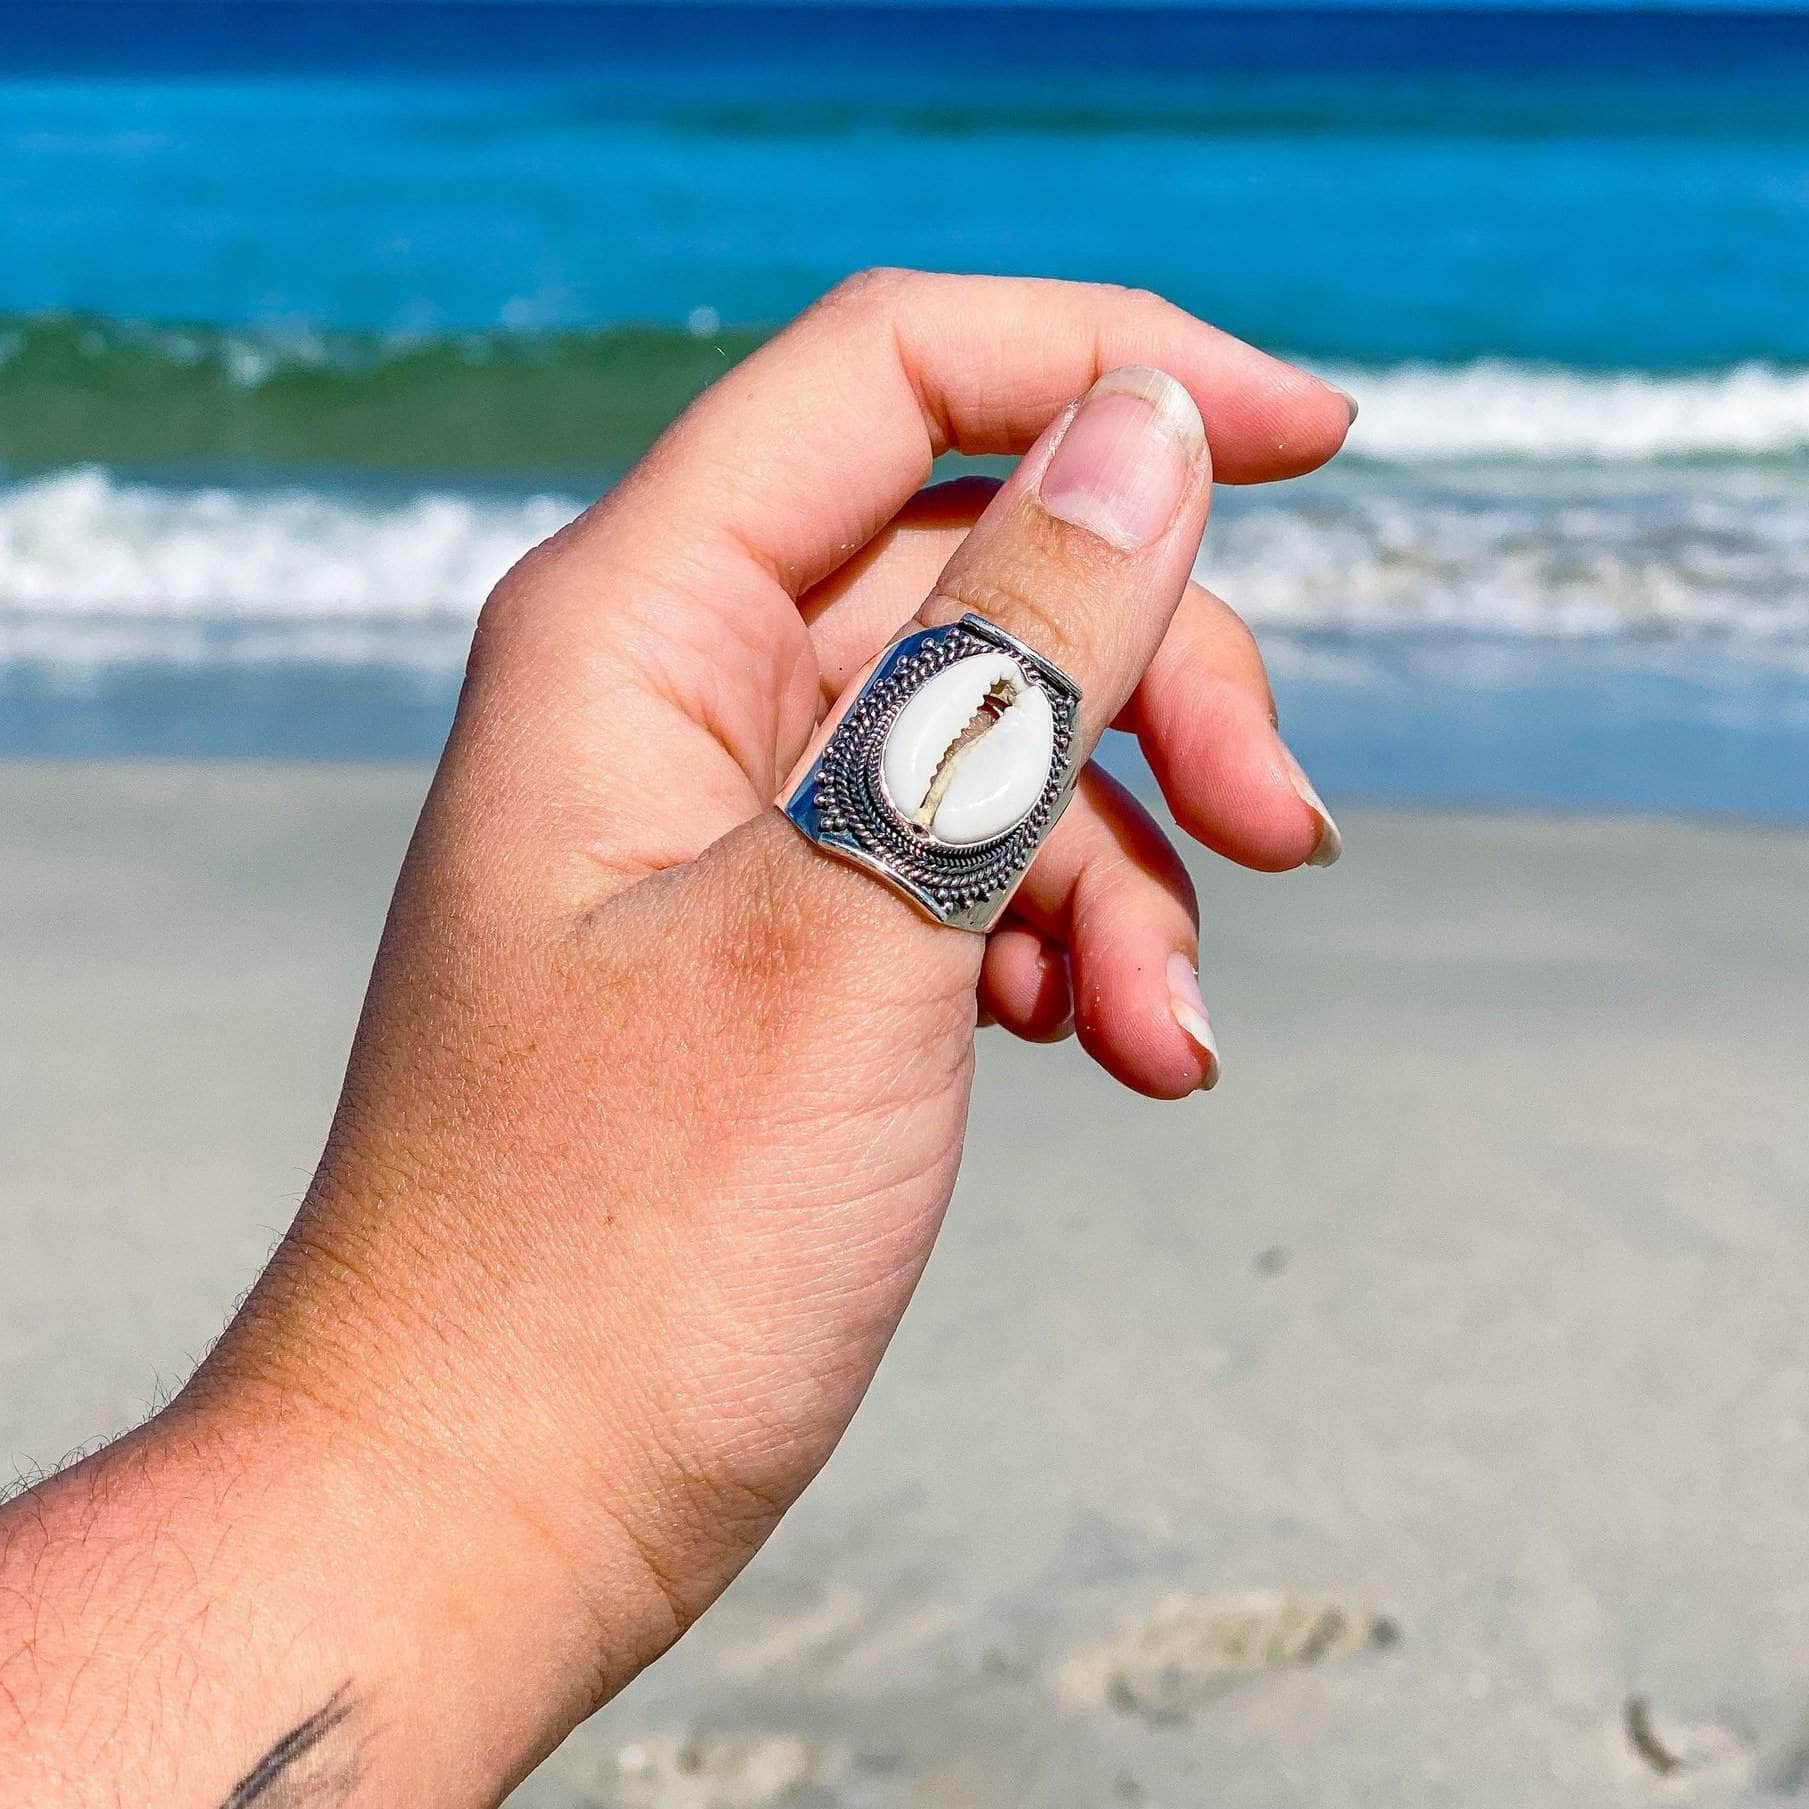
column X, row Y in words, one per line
column 312, row 316
column 1424, row 1418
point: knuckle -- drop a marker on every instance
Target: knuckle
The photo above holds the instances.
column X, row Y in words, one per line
column 1134, row 298
column 1242, row 645
column 1139, row 297
column 1245, row 660
column 1232, row 619
column 513, row 605
column 497, row 625
column 878, row 287
column 495, row 633
column 1240, row 633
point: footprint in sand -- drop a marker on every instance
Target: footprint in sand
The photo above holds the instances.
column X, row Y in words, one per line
column 738, row 1771
column 1194, row 1647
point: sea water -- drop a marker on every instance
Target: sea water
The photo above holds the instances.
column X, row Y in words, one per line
column 312, row 317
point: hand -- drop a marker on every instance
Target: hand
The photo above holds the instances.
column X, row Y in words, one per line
column 654, row 1109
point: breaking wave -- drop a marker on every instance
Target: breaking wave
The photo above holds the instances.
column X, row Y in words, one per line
column 95, row 568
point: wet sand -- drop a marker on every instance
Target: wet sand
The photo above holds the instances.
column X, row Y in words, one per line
column 1421, row 1417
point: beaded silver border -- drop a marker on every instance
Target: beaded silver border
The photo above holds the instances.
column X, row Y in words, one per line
column 841, row 805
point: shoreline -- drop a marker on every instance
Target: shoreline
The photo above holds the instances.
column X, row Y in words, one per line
column 1694, row 731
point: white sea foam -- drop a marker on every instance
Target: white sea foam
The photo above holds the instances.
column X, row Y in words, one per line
column 1728, row 559
column 84, row 541
column 1499, row 410
column 96, row 571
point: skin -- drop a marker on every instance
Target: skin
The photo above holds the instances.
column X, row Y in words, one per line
column 654, row 1110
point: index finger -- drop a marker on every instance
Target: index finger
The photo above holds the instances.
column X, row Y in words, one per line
column 804, row 451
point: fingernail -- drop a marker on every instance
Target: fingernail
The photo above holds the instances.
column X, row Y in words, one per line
column 1330, row 843
column 1350, row 402
column 1189, row 1011
column 1124, row 463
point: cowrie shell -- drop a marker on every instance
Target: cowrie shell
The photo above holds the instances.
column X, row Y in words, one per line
column 997, row 776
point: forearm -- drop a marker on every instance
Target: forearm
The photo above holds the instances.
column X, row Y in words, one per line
column 211, row 1613
column 655, row 1110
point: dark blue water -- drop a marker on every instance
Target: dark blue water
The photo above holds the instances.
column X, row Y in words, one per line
column 1625, row 189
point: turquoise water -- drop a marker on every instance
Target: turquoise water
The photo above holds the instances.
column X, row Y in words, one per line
column 312, row 317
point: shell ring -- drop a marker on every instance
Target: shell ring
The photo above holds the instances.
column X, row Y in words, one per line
column 947, row 771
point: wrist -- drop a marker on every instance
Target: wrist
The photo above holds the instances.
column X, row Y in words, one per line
column 506, row 1495
column 244, row 1566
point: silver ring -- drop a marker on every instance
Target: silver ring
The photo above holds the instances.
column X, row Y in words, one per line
column 947, row 771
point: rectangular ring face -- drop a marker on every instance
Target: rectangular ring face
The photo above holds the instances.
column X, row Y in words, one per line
column 980, row 735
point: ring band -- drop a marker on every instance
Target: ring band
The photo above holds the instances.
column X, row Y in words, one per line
column 947, row 771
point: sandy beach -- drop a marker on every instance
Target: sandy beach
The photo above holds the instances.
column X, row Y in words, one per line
column 1375, row 1430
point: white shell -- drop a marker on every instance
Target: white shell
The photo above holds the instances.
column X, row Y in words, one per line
column 998, row 777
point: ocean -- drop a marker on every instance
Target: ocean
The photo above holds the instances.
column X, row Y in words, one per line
column 313, row 317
